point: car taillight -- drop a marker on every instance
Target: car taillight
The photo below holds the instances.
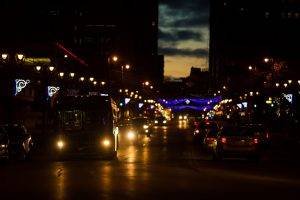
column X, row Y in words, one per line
column 210, row 139
column 223, row 140
column 255, row 141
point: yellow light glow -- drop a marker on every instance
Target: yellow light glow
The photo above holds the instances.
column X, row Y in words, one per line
column 91, row 79
column 95, row 82
column 81, row 79
column 38, row 68
column 102, row 83
column 277, row 84
column 130, row 135
column 115, row 58
column 127, row 66
column 20, row 56
column 146, row 83
column 106, row 142
column 72, row 74
column 250, row 67
column 51, row 68
column 61, row 74
column 290, row 81
column 4, row 56
column 266, row 60
column 60, row 144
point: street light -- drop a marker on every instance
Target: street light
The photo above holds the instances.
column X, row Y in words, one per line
column 266, row 60
column 61, row 74
column 146, row 83
column 51, row 68
column 127, row 66
column 72, row 75
column 95, row 82
column 38, row 68
column 102, row 83
column 250, row 67
column 91, row 79
column 290, row 81
column 151, row 87
column 20, row 56
column 115, row 58
column 285, row 85
column 4, row 56
column 277, row 84
column 81, row 78
column 65, row 56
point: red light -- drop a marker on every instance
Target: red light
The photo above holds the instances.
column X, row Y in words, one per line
column 207, row 123
column 223, row 140
column 255, row 141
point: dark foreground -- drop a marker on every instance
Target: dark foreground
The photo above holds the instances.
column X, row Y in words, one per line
column 166, row 167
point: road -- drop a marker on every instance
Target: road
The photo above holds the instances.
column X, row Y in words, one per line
column 168, row 166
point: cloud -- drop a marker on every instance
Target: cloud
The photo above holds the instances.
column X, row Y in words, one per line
column 179, row 35
column 169, row 51
column 180, row 13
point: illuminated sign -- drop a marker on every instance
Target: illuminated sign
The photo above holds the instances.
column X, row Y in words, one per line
column 52, row 90
column 20, row 84
column 288, row 97
column 127, row 100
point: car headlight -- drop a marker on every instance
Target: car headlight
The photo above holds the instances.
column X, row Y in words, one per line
column 60, row 144
column 180, row 117
column 130, row 135
column 165, row 121
column 185, row 117
column 155, row 121
column 145, row 126
column 106, row 142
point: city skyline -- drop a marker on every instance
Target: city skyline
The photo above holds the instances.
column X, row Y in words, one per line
column 184, row 35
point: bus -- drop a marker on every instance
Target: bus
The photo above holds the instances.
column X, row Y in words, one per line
column 87, row 126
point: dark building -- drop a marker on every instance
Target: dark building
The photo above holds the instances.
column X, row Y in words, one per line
column 93, row 30
column 243, row 33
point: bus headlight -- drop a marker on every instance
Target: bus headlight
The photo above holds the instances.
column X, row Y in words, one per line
column 130, row 135
column 106, row 142
column 60, row 144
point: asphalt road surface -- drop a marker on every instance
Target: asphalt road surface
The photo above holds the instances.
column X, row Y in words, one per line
column 166, row 166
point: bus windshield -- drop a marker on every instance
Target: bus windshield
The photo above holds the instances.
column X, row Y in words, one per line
column 85, row 113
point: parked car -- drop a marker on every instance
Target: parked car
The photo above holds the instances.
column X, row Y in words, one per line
column 15, row 142
column 241, row 141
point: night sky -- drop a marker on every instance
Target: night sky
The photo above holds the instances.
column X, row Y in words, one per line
column 184, row 35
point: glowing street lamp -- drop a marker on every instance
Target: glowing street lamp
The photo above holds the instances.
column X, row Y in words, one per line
column 290, row 81
column 266, row 60
column 127, row 66
column 151, row 87
column 38, row 68
column 20, row 56
column 65, row 56
column 103, row 83
column 115, row 58
column 51, row 68
column 4, row 56
column 95, row 82
column 72, row 75
column 285, row 85
column 91, row 79
column 81, row 78
column 146, row 83
column 277, row 84
column 250, row 67
column 61, row 74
